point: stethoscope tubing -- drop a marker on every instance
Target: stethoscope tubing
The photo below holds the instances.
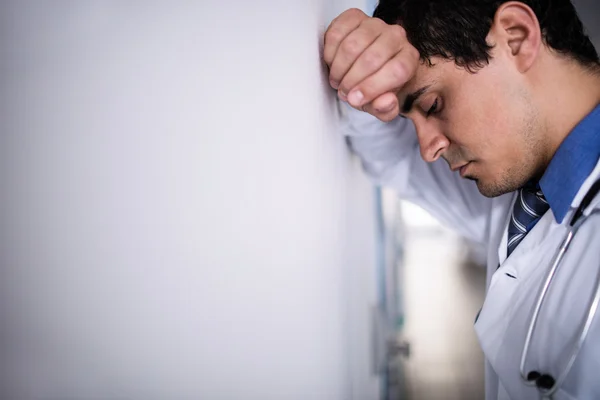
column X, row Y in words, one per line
column 585, row 327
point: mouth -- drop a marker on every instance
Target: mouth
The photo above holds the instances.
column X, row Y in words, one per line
column 462, row 168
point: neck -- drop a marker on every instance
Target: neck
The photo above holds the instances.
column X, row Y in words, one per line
column 568, row 93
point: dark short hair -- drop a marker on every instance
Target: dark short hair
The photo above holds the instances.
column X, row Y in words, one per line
column 457, row 29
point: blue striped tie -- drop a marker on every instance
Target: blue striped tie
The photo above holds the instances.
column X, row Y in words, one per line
column 527, row 211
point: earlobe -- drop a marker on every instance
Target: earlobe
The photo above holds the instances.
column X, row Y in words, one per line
column 517, row 28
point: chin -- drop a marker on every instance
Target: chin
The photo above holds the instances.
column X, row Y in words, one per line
column 490, row 190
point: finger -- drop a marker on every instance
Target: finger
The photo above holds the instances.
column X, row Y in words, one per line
column 351, row 48
column 339, row 28
column 391, row 77
column 383, row 49
column 384, row 107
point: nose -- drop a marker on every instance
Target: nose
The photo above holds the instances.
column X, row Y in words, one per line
column 432, row 141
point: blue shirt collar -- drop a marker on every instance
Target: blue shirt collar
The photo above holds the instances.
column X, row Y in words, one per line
column 572, row 163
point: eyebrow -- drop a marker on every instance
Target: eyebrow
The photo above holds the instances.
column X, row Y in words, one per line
column 411, row 98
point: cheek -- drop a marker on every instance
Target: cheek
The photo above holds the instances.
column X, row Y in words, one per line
column 484, row 120
column 484, row 114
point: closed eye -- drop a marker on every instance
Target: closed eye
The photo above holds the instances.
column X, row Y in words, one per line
column 433, row 108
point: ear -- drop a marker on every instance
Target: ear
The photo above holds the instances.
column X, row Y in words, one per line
column 516, row 30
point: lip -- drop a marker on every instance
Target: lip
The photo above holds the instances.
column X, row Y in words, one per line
column 456, row 167
column 461, row 168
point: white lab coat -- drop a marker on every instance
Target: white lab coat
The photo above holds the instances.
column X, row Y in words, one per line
column 390, row 155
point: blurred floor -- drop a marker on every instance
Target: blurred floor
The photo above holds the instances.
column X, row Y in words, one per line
column 443, row 293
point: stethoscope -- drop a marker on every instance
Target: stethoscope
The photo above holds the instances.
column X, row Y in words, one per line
column 546, row 384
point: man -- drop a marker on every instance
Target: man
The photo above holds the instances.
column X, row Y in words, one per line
column 507, row 93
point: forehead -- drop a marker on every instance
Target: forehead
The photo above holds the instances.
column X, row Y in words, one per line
column 426, row 78
column 429, row 73
column 438, row 75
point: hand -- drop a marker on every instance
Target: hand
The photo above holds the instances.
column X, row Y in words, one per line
column 369, row 62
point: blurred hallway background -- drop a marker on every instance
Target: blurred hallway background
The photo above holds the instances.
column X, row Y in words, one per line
column 444, row 288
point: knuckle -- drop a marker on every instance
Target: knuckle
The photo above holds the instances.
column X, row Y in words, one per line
column 373, row 60
column 397, row 32
column 370, row 31
column 333, row 35
column 379, row 23
column 354, row 12
column 414, row 53
column 352, row 47
column 374, row 24
column 399, row 71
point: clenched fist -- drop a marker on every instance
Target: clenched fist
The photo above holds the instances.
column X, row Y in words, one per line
column 369, row 62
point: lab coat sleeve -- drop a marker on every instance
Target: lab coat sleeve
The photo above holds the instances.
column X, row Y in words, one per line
column 390, row 155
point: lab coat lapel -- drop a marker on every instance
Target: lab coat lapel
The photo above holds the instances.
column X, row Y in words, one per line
column 505, row 316
column 513, row 289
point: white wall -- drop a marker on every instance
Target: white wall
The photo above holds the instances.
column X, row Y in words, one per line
column 179, row 217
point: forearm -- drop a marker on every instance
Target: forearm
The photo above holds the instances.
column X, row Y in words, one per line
column 385, row 149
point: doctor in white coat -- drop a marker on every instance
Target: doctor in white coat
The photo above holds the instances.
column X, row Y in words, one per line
column 507, row 93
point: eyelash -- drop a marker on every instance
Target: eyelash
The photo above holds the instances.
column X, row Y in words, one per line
column 433, row 108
